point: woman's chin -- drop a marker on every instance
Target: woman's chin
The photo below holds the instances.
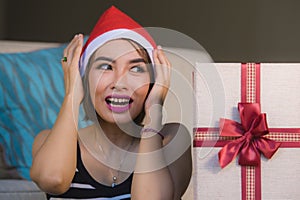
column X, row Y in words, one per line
column 119, row 115
column 118, row 118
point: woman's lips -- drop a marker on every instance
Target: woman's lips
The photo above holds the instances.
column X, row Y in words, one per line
column 118, row 103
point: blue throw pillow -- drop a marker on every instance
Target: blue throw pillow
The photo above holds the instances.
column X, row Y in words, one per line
column 31, row 93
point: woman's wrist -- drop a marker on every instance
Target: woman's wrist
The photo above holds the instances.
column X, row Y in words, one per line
column 153, row 117
column 74, row 101
column 150, row 132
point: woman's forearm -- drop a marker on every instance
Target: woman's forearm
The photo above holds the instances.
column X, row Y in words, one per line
column 54, row 160
column 152, row 178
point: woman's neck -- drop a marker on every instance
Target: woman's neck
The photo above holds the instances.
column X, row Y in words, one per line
column 119, row 134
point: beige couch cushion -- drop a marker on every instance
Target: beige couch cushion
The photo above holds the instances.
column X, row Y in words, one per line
column 7, row 46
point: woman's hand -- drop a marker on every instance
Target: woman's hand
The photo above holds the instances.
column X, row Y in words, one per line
column 72, row 79
column 156, row 98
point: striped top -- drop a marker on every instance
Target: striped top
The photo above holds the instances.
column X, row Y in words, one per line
column 84, row 186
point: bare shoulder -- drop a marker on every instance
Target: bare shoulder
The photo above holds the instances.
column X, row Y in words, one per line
column 86, row 129
column 39, row 140
column 84, row 134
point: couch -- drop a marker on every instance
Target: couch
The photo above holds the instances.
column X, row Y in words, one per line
column 13, row 184
column 31, row 91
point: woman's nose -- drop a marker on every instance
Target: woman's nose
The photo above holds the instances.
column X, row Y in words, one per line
column 120, row 81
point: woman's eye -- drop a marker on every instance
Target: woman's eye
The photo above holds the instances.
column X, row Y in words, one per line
column 137, row 69
column 105, row 67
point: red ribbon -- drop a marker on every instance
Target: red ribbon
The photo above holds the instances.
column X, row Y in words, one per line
column 250, row 143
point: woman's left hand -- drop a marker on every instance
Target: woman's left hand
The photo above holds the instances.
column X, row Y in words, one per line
column 161, row 86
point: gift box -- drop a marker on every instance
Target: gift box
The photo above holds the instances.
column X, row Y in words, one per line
column 247, row 131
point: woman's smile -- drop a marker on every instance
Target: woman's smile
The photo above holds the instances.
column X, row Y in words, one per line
column 118, row 103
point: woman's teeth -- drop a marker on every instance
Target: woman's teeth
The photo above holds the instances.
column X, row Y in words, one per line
column 118, row 104
column 118, row 101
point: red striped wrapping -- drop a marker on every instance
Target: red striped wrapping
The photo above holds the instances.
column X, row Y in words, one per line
column 250, row 93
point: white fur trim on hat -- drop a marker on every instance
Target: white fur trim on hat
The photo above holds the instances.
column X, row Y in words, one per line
column 110, row 35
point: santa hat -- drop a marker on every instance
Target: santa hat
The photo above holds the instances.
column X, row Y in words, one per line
column 114, row 24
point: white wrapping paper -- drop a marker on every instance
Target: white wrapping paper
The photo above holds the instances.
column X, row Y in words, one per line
column 280, row 99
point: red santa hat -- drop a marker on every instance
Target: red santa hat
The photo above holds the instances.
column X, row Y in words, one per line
column 114, row 24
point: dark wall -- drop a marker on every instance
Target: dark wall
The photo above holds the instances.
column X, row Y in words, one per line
column 231, row 30
column 2, row 19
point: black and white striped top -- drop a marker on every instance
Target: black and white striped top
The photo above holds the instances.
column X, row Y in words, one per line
column 85, row 187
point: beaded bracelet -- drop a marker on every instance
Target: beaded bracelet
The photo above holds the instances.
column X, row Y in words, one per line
column 153, row 131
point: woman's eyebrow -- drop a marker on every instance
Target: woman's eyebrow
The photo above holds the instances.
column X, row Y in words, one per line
column 137, row 60
column 104, row 58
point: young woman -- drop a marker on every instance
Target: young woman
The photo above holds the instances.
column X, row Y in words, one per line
column 125, row 79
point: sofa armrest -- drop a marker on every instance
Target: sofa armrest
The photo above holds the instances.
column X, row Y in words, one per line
column 7, row 46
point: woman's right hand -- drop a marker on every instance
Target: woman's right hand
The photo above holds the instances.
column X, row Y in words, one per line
column 72, row 78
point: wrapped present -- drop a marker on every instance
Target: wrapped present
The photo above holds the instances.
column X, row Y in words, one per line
column 247, row 131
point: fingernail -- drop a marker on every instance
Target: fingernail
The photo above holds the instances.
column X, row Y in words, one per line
column 159, row 47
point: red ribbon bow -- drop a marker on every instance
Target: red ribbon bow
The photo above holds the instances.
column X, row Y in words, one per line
column 250, row 131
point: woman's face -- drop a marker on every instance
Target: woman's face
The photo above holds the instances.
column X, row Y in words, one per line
column 119, row 81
